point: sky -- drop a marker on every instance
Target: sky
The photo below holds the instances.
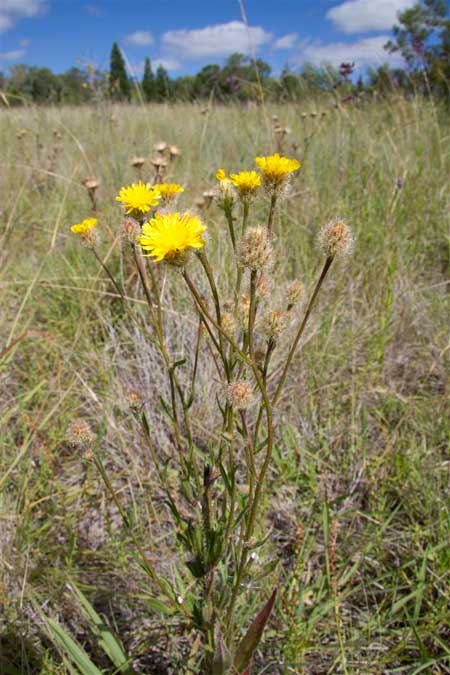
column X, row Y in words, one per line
column 184, row 35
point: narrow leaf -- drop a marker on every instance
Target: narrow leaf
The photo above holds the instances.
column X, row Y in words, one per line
column 250, row 641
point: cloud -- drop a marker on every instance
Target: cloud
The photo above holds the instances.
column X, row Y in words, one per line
column 140, row 38
column 363, row 16
column 13, row 55
column 286, row 42
column 219, row 40
column 13, row 10
column 169, row 64
column 365, row 52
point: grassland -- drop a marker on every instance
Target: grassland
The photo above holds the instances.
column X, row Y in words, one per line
column 360, row 470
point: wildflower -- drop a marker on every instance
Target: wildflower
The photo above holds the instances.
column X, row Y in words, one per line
column 170, row 236
column 85, row 230
column 294, row 292
column 336, row 239
column 226, row 190
column 275, row 171
column 247, row 183
column 80, row 434
column 222, row 176
column 255, row 249
column 138, row 198
column 239, row 394
column 168, row 191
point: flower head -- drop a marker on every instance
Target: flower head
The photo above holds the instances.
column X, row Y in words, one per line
column 239, row 394
column 138, row 198
column 79, row 434
column 168, row 191
column 85, row 226
column 276, row 170
column 247, row 183
column 222, row 176
column 336, row 239
column 169, row 236
column 255, row 249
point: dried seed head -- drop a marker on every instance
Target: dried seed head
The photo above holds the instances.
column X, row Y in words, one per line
column 295, row 292
column 239, row 394
column 160, row 147
column 137, row 162
column 244, row 308
column 255, row 250
column 200, row 203
column 158, row 160
column 174, row 151
column 21, row 133
column 134, row 399
column 263, row 286
column 129, row 229
column 208, row 196
column 79, row 434
column 304, row 116
column 90, row 183
column 313, row 114
column 273, row 324
column 336, row 239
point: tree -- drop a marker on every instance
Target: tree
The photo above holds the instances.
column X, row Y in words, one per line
column 148, row 81
column 422, row 36
column 119, row 84
column 162, row 84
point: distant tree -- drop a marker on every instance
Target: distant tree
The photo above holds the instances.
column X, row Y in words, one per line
column 422, row 36
column 319, row 78
column 162, row 86
column 148, row 81
column 119, row 84
column 75, row 86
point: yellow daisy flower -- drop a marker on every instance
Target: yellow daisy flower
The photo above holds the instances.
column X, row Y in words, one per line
column 246, row 182
column 168, row 191
column 84, row 227
column 169, row 236
column 138, row 198
column 275, row 170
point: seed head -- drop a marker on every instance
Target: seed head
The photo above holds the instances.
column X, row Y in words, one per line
column 255, row 250
column 229, row 323
column 129, row 229
column 295, row 292
column 263, row 285
column 174, row 151
column 79, row 434
column 90, row 183
column 244, row 308
column 137, row 162
column 336, row 239
column 134, row 399
column 160, row 147
column 239, row 394
column 273, row 324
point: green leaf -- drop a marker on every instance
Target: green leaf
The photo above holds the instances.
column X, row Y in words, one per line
column 250, row 641
column 68, row 646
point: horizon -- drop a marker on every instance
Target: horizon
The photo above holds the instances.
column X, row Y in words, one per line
column 62, row 34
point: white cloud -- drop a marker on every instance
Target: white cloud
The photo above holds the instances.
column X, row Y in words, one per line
column 140, row 38
column 169, row 64
column 286, row 42
column 219, row 40
column 93, row 10
column 363, row 16
column 13, row 55
column 13, row 10
column 365, row 52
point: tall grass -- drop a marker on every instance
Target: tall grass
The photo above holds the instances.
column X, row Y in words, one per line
column 358, row 504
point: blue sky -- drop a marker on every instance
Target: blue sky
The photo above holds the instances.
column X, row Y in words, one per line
column 184, row 35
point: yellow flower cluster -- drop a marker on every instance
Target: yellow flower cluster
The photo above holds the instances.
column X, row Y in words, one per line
column 85, row 226
column 275, row 171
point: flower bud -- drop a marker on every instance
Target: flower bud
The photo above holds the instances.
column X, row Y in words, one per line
column 336, row 239
column 255, row 249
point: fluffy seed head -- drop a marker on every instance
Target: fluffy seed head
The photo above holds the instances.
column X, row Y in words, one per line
column 129, row 229
column 336, row 239
column 273, row 324
column 295, row 291
column 255, row 249
column 174, row 151
column 170, row 236
column 79, row 434
column 134, row 399
column 239, row 394
column 91, row 183
column 161, row 146
column 229, row 323
column 137, row 162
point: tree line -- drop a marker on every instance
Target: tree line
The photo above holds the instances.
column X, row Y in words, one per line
column 422, row 37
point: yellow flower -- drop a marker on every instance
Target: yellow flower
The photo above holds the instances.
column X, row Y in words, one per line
column 84, row 227
column 138, row 197
column 168, row 191
column 170, row 235
column 222, row 176
column 247, row 183
column 276, row 169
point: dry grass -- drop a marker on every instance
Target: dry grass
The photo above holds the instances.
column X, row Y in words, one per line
column 358, row 502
